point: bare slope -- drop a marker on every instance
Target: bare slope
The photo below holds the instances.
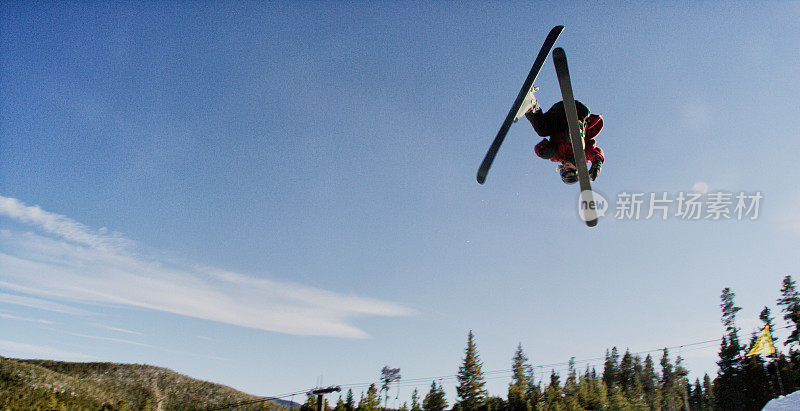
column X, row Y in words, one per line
column 43, row 384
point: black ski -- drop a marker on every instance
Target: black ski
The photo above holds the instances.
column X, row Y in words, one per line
column 575, row 137
column 526, row 87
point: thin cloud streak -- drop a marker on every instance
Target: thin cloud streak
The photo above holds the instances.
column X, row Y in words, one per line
column 68, row 261
column 36, row 302
column 59, row 225
column 116, row 340
column 121, row 330
column 144, row 345
column 32, row 320
column 22, row 350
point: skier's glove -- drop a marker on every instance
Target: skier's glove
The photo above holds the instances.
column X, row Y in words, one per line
column 594, row 171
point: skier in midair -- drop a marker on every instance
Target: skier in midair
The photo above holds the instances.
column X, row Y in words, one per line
column 556, row 146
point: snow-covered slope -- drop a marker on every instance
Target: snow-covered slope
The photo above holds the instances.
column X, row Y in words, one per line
column 789, row 402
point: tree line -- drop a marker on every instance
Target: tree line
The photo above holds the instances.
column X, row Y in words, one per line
column 626, row 381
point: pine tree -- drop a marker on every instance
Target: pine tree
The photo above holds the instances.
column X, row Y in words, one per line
column 668, row 400
column 761, row 384
column 520, row 380
column 571, row 384
column 435, row 399
column 728, row 386
column 349, row 403
column 790, row 301
column 773, row 365
column 470, row 378
column 592, row 391
column 617, row 399
column 534, row 394
column 682, row 383
column 708, row 394
column 635, row 391
column 773, row 379
column 650, row 383
column 552, row 394
column 415, row 406
column 340, row 405
column 696, row 396
column 494, row 404
column 311, row 403
column 372, row 401
column 755, row 380
column 626, row 373
column 789, row 365
column 611, row 368
column 388, row 376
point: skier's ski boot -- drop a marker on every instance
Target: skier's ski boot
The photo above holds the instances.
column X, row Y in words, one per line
column 528, row 104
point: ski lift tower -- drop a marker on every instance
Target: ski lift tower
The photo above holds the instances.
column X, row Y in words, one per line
column 319, row 392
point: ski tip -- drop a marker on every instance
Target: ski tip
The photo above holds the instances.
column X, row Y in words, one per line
column 481, row 178
column 559, row 58
column 592, row 223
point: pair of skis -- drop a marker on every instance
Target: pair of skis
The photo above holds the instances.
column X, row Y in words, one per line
column 575, row 133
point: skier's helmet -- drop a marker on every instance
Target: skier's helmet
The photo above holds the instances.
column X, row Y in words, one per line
column 568, row 172
column 569, row 176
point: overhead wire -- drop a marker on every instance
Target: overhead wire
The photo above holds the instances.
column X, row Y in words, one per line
column 256, row 401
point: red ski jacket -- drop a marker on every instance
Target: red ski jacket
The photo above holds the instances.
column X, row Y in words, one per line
column 563, row 148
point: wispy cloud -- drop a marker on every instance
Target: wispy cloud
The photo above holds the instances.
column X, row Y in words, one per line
column 59, row 225
column 66, row 260
column 144, row 345
column 116, row 340
column 22, row 350
column 36, row 302
column 33, row 320
column 117, row 329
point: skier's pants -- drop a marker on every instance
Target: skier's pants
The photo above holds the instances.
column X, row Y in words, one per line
column 554, row 120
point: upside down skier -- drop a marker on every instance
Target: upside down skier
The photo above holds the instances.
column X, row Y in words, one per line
column 557, row 148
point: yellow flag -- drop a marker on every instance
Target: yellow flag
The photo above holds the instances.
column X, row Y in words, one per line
column 763, row 344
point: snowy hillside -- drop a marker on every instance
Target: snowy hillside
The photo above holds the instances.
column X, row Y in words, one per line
column 789, row 402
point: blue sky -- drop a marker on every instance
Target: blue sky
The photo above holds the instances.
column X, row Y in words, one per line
column 263, row 194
